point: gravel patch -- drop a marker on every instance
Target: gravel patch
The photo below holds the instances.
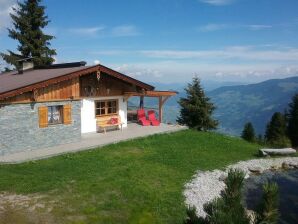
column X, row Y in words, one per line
column 206, row 186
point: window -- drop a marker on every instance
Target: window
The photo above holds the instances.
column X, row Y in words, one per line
column 106, row 107
column 55, row 115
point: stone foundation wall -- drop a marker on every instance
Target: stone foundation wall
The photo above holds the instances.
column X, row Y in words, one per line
column 19, row 127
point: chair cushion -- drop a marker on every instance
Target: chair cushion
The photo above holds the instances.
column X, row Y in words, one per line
column 113, row 120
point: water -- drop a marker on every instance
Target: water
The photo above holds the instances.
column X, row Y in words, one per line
column 288, row 193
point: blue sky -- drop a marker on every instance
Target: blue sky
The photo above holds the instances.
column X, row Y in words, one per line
column 173, row 40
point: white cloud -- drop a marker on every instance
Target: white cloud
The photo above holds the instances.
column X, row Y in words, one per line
column 258, row 53
column 138, row 71
column 96, row 62
column 212, row 27
column 173, row 72
column 217, row 2
column 87, row 31
column 239, row 53
column 124, row 31
column 118, row 31
column 259, row 27
column 6, row 7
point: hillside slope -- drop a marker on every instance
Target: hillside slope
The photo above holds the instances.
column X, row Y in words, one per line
column 237, row 105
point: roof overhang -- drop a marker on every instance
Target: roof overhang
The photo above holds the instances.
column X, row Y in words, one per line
column 150, row 93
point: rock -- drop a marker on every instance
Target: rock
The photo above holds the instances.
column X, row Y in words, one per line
column 285, row 165
column 246, row 176
column 262, row 153
column 274, row 167
column 292, row 165
column 223, row 177
column 281, row 152
column 255, row 169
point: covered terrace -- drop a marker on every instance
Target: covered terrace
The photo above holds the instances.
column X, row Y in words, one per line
column 162, row 97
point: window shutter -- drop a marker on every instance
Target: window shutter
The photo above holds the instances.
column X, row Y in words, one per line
column 43, row 117
column 67, row 114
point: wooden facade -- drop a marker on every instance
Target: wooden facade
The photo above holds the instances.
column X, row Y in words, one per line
column 104, row 85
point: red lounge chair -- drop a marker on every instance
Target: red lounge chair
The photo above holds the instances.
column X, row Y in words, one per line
column 142, row 118
column 152, row 119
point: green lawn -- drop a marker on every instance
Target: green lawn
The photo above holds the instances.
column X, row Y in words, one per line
column 138, row 181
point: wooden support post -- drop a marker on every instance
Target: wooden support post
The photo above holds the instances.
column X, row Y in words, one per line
column 160, row 108
column 162, row 100
column 141, row 102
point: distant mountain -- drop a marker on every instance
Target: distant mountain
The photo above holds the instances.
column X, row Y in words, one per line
column 208, row 85
column 256, row 103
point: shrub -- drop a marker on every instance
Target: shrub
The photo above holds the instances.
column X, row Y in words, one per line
column 268, row 209
column 228, row 208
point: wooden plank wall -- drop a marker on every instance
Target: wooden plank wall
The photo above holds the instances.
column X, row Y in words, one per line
column 59, row 91
column 105, row 86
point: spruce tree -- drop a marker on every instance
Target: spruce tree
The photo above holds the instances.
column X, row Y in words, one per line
column 276, row 131
column 196, row 109
column 248, row 132
column 293, row 121
column 29, row 19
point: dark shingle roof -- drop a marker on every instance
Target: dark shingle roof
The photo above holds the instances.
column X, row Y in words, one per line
column 12, row 80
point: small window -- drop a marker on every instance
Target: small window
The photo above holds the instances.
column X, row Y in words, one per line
column 106, row 107
column 55, row 115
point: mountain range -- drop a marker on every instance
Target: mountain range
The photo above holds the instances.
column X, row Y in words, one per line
column 254, row 103
column 236, row 103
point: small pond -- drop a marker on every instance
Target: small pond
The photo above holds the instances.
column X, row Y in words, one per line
column 288, row 193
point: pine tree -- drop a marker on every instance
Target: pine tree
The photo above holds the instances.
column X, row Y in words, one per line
column 276, row 131
column 248, row 132
column 29, row 19
column 196, row 108
column 293, row 121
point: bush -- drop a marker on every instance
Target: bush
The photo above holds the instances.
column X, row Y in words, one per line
column 268, row 209
column 228, row 209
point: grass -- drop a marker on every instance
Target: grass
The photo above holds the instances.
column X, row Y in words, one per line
column 138, row 181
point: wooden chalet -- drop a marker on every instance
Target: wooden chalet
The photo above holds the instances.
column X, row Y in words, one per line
column 41, row 107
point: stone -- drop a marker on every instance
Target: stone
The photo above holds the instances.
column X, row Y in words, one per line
column 285, row 165
column 255, row 169
column 292, row 165
column 274, row 167
column 281, row 152
column 222, row 177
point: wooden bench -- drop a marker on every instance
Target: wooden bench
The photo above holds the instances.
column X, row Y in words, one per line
column 107, row 121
